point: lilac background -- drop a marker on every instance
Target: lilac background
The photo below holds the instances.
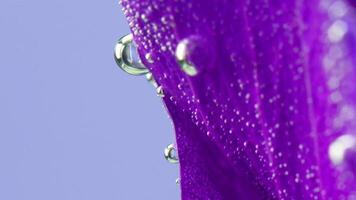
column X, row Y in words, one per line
column 72, row 125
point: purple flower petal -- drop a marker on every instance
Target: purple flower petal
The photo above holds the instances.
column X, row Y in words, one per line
column 272, row 101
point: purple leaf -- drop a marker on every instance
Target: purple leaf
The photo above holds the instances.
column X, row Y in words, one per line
column 270, row 112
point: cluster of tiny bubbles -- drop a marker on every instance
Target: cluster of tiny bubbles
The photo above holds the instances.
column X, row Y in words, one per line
column 336, row 65
column 336, row 31
column 127, row 58
column 150, row 31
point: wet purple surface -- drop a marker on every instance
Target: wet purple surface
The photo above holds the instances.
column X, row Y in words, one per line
column 274, row 89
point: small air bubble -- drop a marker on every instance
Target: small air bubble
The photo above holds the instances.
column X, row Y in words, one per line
column 148, row 57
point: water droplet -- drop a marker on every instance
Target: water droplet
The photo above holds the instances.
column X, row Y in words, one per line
column 159, row 91
column 182, row 52
column 127, row 58
column 149, row 58
column 337, row 31
column 144, row 18
column 150, row 79
column 178, row 181
column 338, row 9
column 338, row 148
column 169, row 154
column 164, row 20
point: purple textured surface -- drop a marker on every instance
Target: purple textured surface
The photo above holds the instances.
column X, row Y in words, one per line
column 275, row 87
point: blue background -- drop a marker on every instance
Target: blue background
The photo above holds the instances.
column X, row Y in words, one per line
column 72, row 125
